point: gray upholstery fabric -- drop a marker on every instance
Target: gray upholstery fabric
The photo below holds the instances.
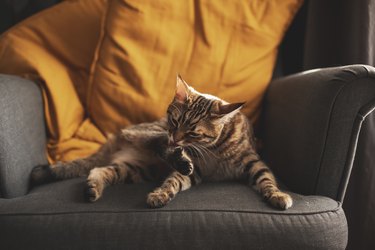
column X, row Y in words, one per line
column 359, row 203
column 225, row 215
column 309, row 126
column 22, row 134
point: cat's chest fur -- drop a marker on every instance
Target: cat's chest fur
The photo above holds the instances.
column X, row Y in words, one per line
column 224, row 162
column 216, row 169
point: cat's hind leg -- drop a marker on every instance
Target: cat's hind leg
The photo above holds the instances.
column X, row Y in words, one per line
column 101, row 177
column 174, row 184
column 65, row 170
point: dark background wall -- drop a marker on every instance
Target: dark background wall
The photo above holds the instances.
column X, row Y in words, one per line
column 13, row 11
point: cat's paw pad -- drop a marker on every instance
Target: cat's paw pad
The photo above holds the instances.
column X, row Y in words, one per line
column 181, row 162
column 159, row 198
column 184, row 167
column 41, row 174
column 280, row 200
column 92, row 191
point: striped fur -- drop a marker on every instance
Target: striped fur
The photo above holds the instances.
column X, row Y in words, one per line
column 201, row 138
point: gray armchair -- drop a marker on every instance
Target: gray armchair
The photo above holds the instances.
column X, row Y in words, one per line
column 317, row 127
column 312, row 123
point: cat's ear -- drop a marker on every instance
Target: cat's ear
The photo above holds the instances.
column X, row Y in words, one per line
column 182, row 90
column 228, row 108
column 224, row 109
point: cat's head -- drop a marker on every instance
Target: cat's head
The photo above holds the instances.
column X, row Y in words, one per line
column 196, row 118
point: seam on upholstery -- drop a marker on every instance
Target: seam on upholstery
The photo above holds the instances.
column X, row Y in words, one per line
column 338, row 208
column 352, row 150
column 171, row 211
column 325, row 138
column 368, row 75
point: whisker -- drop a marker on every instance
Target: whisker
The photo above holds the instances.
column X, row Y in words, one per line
column 191, row 151
column 196, row 153
column 203, row 148
column 200, row 153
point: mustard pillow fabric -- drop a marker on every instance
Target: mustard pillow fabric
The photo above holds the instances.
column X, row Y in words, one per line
column 104, row 64
column 225, row 48
column 55, row 48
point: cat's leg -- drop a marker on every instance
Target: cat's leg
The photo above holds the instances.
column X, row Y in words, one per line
column 181, row 179
column 101, row 177
column 66, row 170
column 263, row 180
column 174, row 183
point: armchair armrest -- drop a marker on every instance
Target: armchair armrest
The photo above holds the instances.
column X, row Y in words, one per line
column 22, row 134
column 312, row 122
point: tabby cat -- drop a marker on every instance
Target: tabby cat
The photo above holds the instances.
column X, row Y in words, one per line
column 202, row 138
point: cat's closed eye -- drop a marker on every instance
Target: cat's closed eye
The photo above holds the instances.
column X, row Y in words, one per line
column 194, row 135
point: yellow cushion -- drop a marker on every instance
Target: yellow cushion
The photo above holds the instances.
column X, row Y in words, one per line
column 226, row 48
column 137, row 47
column 55, row 48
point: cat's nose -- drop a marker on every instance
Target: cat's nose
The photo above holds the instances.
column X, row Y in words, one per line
column 174, row 139
column 171, row 142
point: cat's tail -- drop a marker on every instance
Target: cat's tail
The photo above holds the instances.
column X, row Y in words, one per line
column 80, row 167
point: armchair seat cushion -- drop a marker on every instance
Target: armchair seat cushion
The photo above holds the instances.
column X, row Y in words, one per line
column 209, row 216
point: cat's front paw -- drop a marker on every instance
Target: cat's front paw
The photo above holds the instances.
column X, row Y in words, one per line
column 280, row 200
column 41, row 174
column 181, row 161
column 159, row 198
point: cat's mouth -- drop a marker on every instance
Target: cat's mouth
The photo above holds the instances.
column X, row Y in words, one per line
column 173, row 143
